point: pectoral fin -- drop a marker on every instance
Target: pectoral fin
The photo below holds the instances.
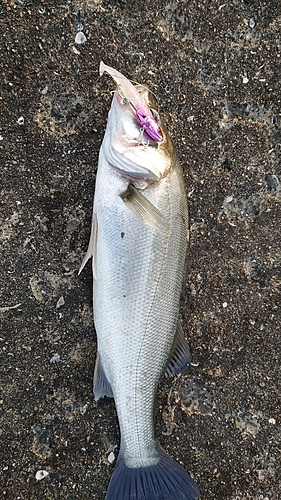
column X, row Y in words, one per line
column 101, row 385
column 143, row 207
column 91, row 252
column 179, row 357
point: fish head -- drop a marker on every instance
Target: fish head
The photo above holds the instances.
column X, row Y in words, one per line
column 135, row 127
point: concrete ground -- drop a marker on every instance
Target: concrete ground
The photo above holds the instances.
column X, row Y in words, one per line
column 215, row 67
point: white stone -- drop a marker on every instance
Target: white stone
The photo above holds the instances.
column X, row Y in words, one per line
column 40, row 474
column 55, row 358
column 60, row 302
column 111, row 457
column 228, row 199
column 80, row 38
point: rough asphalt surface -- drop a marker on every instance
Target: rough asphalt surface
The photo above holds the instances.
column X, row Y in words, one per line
column 216, row 68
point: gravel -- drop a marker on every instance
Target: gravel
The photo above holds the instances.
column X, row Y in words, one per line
column 215, row 69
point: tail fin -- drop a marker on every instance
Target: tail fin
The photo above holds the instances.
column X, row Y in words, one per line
column 166, row 480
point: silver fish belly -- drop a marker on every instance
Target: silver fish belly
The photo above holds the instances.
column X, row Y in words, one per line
column 138, row 245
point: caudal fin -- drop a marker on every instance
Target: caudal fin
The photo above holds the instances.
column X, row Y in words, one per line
column 166, row 480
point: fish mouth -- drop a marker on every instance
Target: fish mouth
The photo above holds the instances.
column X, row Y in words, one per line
column 151, row 124
column 133, row 96
column 138, row 132
column 127, row 126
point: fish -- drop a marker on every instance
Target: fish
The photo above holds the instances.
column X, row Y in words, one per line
column 138, row 246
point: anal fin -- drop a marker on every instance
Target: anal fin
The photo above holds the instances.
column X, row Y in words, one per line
column 101, row 385
column 180, row 356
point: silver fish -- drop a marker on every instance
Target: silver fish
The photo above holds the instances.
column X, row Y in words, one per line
column 138, row 245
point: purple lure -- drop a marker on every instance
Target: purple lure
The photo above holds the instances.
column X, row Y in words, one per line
column 150, row 125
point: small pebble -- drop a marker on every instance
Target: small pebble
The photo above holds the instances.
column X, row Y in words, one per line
column 228, row 199
column 224, row 304
column 272, row 182
column 55, row 358
column 252, row 22
column 21, row 120
column 111, row 457
column 80, row 38
column 72, row 225
column 272, row 421
column 245, row 79
column 40, row 474
column 60, row 302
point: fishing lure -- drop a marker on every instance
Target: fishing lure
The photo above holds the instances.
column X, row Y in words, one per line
column 148, row 122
